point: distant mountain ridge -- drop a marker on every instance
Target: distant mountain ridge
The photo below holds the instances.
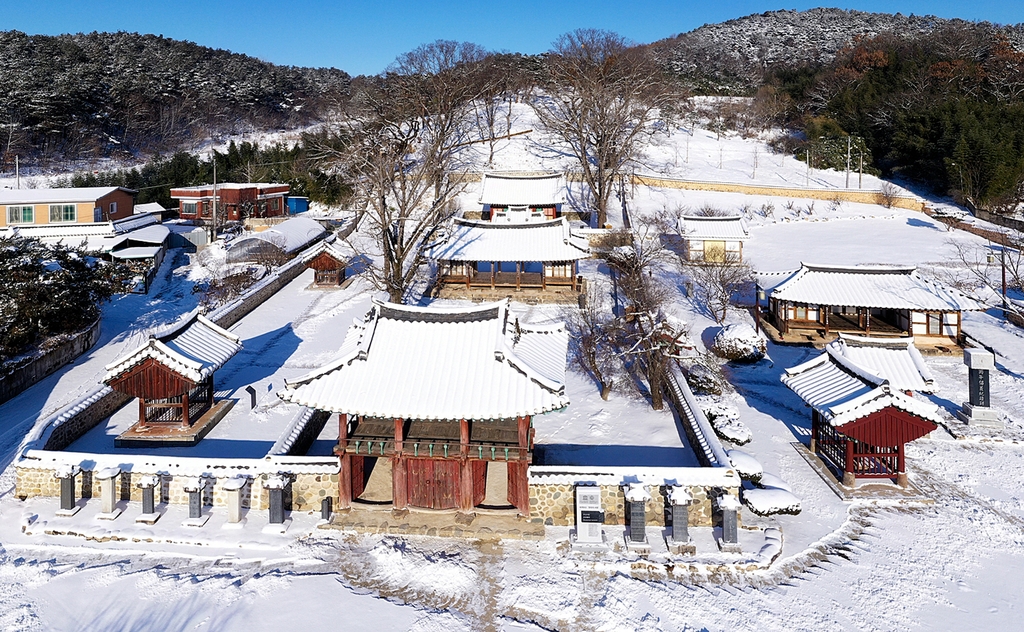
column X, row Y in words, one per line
column 66, row 96
column 737, row 52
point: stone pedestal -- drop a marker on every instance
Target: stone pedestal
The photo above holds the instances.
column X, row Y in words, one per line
column 108, row 492
column 148, row 484
column 729, row 542
column 637, row 498
column 234, row 488
column 275, row 490
column 67, row 474
column 680, row 543
column 194, row 487
column 589, row 520
column 977, row 412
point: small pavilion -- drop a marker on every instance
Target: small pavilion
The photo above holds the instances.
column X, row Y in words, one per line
column 873, row 301
column 440, row 399
column 713, row 239
column 329, row 263
column 518, row 199
column 860, row 391
column 486, row 255
column 172, row 373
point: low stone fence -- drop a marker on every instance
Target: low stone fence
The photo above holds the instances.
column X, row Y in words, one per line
column 845, row 195
column 310, row 479
column 1001, row 220
column 227, row 315
column 35, row 369
column 553, row 497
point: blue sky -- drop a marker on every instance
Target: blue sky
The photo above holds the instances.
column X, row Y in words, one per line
column 364, row 37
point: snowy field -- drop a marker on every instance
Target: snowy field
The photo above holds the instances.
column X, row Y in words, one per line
column 956, row 563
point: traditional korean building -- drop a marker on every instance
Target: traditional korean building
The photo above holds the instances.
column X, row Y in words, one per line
column 518, row 199
column 860, row 391
column 172, row 373
column 328, row 261
column 235, row 201
column 713, row 239
column 868, row 300
column 488, row 256
column 441, row 398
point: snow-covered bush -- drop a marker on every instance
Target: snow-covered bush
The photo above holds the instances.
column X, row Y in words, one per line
column 770, row 501
column 705, row 376
column 740, row 342
column 747, row 466
column 725, row 419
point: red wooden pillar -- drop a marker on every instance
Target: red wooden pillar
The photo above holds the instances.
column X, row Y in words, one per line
column 345, row 476
column 142, row 412
column 575, row 271
column 523, row 424
column 185, row 421
column 465, row 469
column 469, row 273
column 492, row 274
column 399, row 476
column 519, row 274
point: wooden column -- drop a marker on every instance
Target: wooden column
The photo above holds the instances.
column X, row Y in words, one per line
column 827, row 310
column 543, row 275
column 492, row 274
column 184, row 410
column 142, row 412
column 519, row 274
column 345, row 476
column 399, row 476
column 867, row 320
column 463, row 437
column 575, row 272
column 468, row 268
column 465, row 485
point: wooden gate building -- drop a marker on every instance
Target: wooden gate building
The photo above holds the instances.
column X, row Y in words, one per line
column 864, row 413
column 172, row 373
column 328, row 262
column 443, row 396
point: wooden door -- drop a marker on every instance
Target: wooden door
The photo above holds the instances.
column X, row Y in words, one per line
column 433, row 484
column 714, row 251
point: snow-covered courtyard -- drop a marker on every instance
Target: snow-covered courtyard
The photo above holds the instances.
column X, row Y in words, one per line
column 953, row 559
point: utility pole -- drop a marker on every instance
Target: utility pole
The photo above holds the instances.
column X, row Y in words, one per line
column 860, row 172
column 17, row 172
column 214, row 237
column 847, row 161
column 808, row 156
column 1002, row 264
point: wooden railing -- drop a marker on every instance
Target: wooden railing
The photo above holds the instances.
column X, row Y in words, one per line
column 438, row 449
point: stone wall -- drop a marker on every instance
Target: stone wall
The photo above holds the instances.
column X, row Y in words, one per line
column 554, row 504
column 69, row 430
column 37, row 368
column 233, row 312
column 304, row 491
column 845, row 195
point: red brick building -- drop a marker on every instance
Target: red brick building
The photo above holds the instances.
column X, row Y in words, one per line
column 235, row 201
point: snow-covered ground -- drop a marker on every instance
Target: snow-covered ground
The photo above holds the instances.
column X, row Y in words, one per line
column 953, row 564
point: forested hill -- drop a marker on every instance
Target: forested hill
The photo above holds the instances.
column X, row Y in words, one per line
column 735, row 55
column 109, row 94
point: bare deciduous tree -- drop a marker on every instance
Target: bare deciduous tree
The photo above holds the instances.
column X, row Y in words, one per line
column 716, row 282
column 594, row 331
column 601, row 101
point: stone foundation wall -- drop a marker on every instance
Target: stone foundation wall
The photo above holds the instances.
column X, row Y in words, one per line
column 555, row 504
column 304, row 491
column 69, row 430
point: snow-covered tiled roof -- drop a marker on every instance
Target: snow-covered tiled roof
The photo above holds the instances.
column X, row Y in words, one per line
column 440, row 363
column 470, row 240
column 194, row 347
column 718, row 228
column 329, row 246
column 57, row 196
column 522, row 190
column 894, row 360
column 842, row 394
column 869, row 286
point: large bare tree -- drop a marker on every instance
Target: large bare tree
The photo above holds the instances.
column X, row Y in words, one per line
column 600, row 102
